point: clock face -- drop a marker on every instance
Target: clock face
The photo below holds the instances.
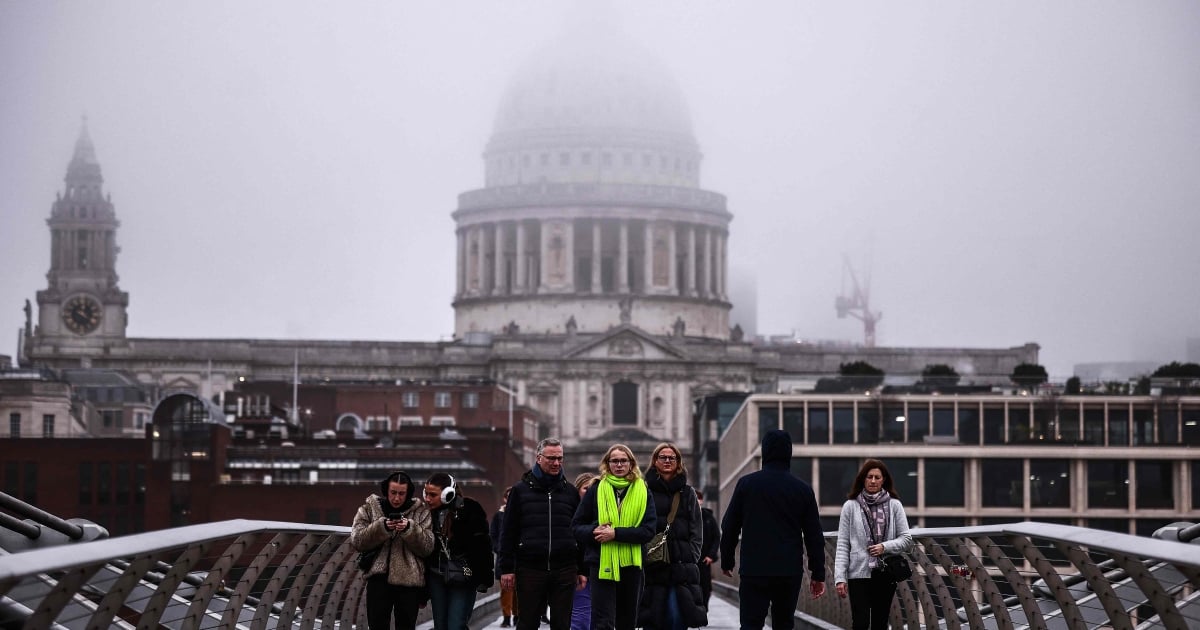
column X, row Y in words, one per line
column 81, row 314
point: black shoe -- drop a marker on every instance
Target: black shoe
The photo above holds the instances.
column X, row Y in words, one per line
column 506, row 622
column 545, row 620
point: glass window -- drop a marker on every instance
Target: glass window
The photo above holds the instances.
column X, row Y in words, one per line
column 818, row 425
column 993, row 425
column 1093, row 426
column 124, row 483
column 1191, row 426
column 312, row 515
column 1118, row 426
column 48, row 425
column 1049, row 483
column 843, row 425
column 837, row 475
column 904, row 478
column 1195, row 483
column 14, row 425
column 1043, row 422
column 139, row 484
column 1068, row 424
column 1002, row 482
column 1108, row 484
column 411, row 399
column 30, row 482
column 85, row 483
column 943, row 420
column 1147, row 526
column 868, row 424
column 768, row 419
column 934, row 522
column 1143, row 426
column 625, row 407
column 12, row 478
column 793, row 423
column 441, row 399
column 1120, row 525
column 892, row 429
column 802, row 467
column 1019, row 427
column 943, row 483
column 1155, row 485
column 1168, row 424
column 470, row 400
column 968, row 425
column 104, row 483
column 918, row 423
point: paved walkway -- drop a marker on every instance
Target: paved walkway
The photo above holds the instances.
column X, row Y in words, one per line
column 721, row 616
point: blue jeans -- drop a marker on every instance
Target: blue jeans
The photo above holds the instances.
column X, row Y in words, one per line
column 451, row 604
column 674, row 619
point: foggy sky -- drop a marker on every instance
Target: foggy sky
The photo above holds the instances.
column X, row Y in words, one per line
column 1007, row 172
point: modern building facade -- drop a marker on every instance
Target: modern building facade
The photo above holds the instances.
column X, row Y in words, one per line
column 1120, row 463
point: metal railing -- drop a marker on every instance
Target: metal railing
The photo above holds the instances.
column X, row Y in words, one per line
column 254, row 574
column 1038, row 575
column 265, row 574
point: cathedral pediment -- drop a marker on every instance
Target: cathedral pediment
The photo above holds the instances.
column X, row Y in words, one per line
column 626, row 343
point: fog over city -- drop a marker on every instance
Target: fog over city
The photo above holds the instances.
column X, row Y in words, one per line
column 1004, row 172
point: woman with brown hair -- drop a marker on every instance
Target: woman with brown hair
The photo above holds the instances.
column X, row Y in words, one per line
column 615, row 518
column 872, row 525
column 461, row 563
column 673, row 599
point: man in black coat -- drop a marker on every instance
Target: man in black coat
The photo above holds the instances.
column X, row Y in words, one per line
column 538, row 554
column 710, row 548
column 775, row 516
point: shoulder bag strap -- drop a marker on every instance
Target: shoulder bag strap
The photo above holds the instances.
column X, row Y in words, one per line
column 674, row 508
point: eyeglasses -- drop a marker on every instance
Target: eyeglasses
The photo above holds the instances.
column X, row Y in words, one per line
column 667, row 458
column 618, row 462
column 553, row 458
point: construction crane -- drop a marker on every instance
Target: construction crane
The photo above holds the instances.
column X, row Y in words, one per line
column 857, row 302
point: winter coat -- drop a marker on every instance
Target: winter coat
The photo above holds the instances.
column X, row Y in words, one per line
column 403, row 553
column 851, row 561
column 494, row 530
column 467, row 538
column 537, row 525
column 774, row 515
column 587, row 519
column 711, row 547
column 684, row 540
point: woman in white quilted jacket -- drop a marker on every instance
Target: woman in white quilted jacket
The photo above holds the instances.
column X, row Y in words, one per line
column 872, row 526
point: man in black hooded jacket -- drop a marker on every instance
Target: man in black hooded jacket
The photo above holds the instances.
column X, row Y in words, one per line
column 775, row 515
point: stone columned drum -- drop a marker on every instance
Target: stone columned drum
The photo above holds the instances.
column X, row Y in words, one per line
column 592, row 215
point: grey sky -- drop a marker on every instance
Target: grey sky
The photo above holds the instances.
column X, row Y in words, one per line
column 1010, row 172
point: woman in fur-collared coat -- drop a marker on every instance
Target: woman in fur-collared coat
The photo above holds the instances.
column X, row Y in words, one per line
column 396, row 523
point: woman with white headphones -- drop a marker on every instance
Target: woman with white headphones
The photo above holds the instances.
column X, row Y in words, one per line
column 461, row 563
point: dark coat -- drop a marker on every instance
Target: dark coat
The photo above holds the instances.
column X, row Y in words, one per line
column 494, row 533
column 683, row 541
column 774, row 515
column 467, row 537
column 537, row 525
column 711, row 546
column 587, row 519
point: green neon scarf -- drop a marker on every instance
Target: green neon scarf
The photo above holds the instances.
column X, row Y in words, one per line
column 613, row 554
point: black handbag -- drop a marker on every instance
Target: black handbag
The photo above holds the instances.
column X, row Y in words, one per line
column 455, row 570
column 897, row 568
column 367, row 558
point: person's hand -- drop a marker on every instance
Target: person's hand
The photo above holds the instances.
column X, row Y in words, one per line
column 707, row 560
column 727, row 572
column 604, row 533
column 841, row 589
column 875, row 550
column 508, row 581
column 580, row 582
column 818, row 589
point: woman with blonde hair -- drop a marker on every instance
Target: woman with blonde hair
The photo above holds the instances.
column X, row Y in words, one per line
column 614, row 519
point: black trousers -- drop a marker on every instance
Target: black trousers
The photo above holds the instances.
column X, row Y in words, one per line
column 871, row 600
column 705, row 580
column 615, row 604
column 780, row 593
column 383, row 599
column 536, row 588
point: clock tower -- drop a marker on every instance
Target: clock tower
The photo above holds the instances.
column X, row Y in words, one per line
column 82, row 312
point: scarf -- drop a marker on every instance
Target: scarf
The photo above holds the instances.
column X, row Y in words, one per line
column 875, row 508
column 613, row 554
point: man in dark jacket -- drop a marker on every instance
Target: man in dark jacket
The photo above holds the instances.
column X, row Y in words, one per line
column 538, row 554
column 775, row 515
column 710, row 548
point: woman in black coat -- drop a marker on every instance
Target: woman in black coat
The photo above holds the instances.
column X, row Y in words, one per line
column 460, row 528
column 672, row 599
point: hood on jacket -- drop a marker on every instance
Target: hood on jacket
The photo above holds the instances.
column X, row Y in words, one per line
column 401, row 477
column 777, row 447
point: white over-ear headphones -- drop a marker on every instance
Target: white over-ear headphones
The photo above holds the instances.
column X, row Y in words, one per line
column 450, row 492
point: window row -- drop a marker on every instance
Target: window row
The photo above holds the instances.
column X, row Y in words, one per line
column 1015, row 483
column 441, row 400
column 601, row 158
column 112, row 483
column 15, row 430
column 983, row 423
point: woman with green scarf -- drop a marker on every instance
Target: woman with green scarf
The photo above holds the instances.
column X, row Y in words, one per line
column 614, row 519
